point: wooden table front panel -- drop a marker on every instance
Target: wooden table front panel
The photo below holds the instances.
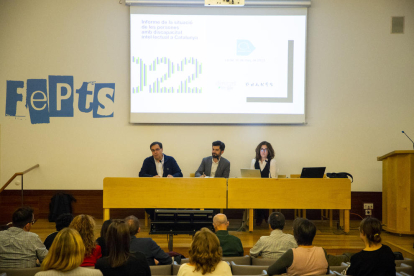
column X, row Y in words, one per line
column 143, row 192
column 301, row 193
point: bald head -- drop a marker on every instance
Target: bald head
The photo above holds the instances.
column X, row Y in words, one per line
column 220, row 222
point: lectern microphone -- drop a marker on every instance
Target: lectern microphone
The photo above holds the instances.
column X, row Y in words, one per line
column 408, row 138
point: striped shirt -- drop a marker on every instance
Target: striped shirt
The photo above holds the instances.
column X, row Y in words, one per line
column 20, row 249
column 273, row 246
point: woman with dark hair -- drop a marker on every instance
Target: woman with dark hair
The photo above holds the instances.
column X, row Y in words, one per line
column 265, row 160
column 85, row 225
column 266, row 163
column 101, row 239
column 205, row 256
column 306, row 259
column 120, row 260
column 376, row 258
column 62, row 221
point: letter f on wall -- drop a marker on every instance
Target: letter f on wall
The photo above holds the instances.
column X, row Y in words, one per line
column 12, row 97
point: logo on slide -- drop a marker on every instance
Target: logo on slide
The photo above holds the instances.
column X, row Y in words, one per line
column 244, row 47
column 42, row 104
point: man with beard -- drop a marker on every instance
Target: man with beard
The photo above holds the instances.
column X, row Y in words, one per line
column 215, row 165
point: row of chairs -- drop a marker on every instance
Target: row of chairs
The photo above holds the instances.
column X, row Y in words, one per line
column 258, row 266
column 239, row 265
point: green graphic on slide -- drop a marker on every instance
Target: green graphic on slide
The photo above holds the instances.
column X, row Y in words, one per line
column 157, row 86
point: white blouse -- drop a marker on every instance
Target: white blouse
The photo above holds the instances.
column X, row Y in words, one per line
column 273, row 168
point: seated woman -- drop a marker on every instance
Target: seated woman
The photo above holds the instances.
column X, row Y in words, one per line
column 376, row 258
column 85, row 225
column 306, row 259
column 65, row 256
column 62, row 221
column 265, row 162
column 120, row 260
column 205, row 256
column 101, row 239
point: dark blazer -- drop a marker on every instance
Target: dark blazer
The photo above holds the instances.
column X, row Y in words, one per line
column 223, row 169
column 150, row 249
column 170, row 167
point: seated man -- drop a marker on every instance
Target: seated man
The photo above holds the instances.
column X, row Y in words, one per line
column 159, row 164
column 275, row 245
column 18, row 247
column 150, row 248
column 215, row 165
column 231, row 245
column 62, row 221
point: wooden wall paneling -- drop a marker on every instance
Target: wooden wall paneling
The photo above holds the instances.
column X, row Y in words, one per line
column 91, row 202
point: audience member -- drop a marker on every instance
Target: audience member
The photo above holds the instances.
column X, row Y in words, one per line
column 101, row 239
column 19, row 248
column 146, row 245
column 231, row 245
column 85, row 225
column 306, row 259
column 121, row 261
column 62, row 221
column 205, row 256
column 275, row 245
column 66, row 255
column 214, row 165
column 376, row 258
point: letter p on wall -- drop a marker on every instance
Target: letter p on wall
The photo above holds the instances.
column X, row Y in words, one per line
column 61, row 96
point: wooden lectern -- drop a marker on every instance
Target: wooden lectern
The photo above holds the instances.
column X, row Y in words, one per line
column 398, row 191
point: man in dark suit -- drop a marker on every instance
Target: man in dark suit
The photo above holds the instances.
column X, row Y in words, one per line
column 159, row 164
column 215, row 165
column 154, row 253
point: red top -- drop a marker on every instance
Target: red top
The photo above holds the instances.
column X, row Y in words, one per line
column 91, row 260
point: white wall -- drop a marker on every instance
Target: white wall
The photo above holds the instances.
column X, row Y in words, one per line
column 360, row 95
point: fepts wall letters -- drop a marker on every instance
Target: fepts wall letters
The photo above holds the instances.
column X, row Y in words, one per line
column 60, row 100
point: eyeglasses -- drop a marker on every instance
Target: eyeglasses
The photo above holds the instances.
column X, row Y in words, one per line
column 263, row 149
column 34, row 221
column 153, row 150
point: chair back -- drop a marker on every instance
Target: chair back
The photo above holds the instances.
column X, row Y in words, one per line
column 160, row 270
column 20, row 271
column 247, row 269
column 338, row 268
column 245, row 260
column 406, row 261
column 263, row 261
column 404, row 268
column 175, row 268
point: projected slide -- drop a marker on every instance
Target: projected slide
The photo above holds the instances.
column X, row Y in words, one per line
column 216, row 68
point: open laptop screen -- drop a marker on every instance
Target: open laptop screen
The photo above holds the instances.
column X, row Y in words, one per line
column 313, row 172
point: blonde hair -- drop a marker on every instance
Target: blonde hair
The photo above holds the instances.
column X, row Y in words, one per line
column 85, row 225
column 67, row 251
column 205, row 251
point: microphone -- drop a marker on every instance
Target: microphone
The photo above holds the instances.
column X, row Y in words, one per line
column 408, row 138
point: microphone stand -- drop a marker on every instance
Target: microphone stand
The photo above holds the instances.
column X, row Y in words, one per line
column 408, row 138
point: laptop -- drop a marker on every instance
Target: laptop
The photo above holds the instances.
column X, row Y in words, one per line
column 250, row 173
column 313, row 172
